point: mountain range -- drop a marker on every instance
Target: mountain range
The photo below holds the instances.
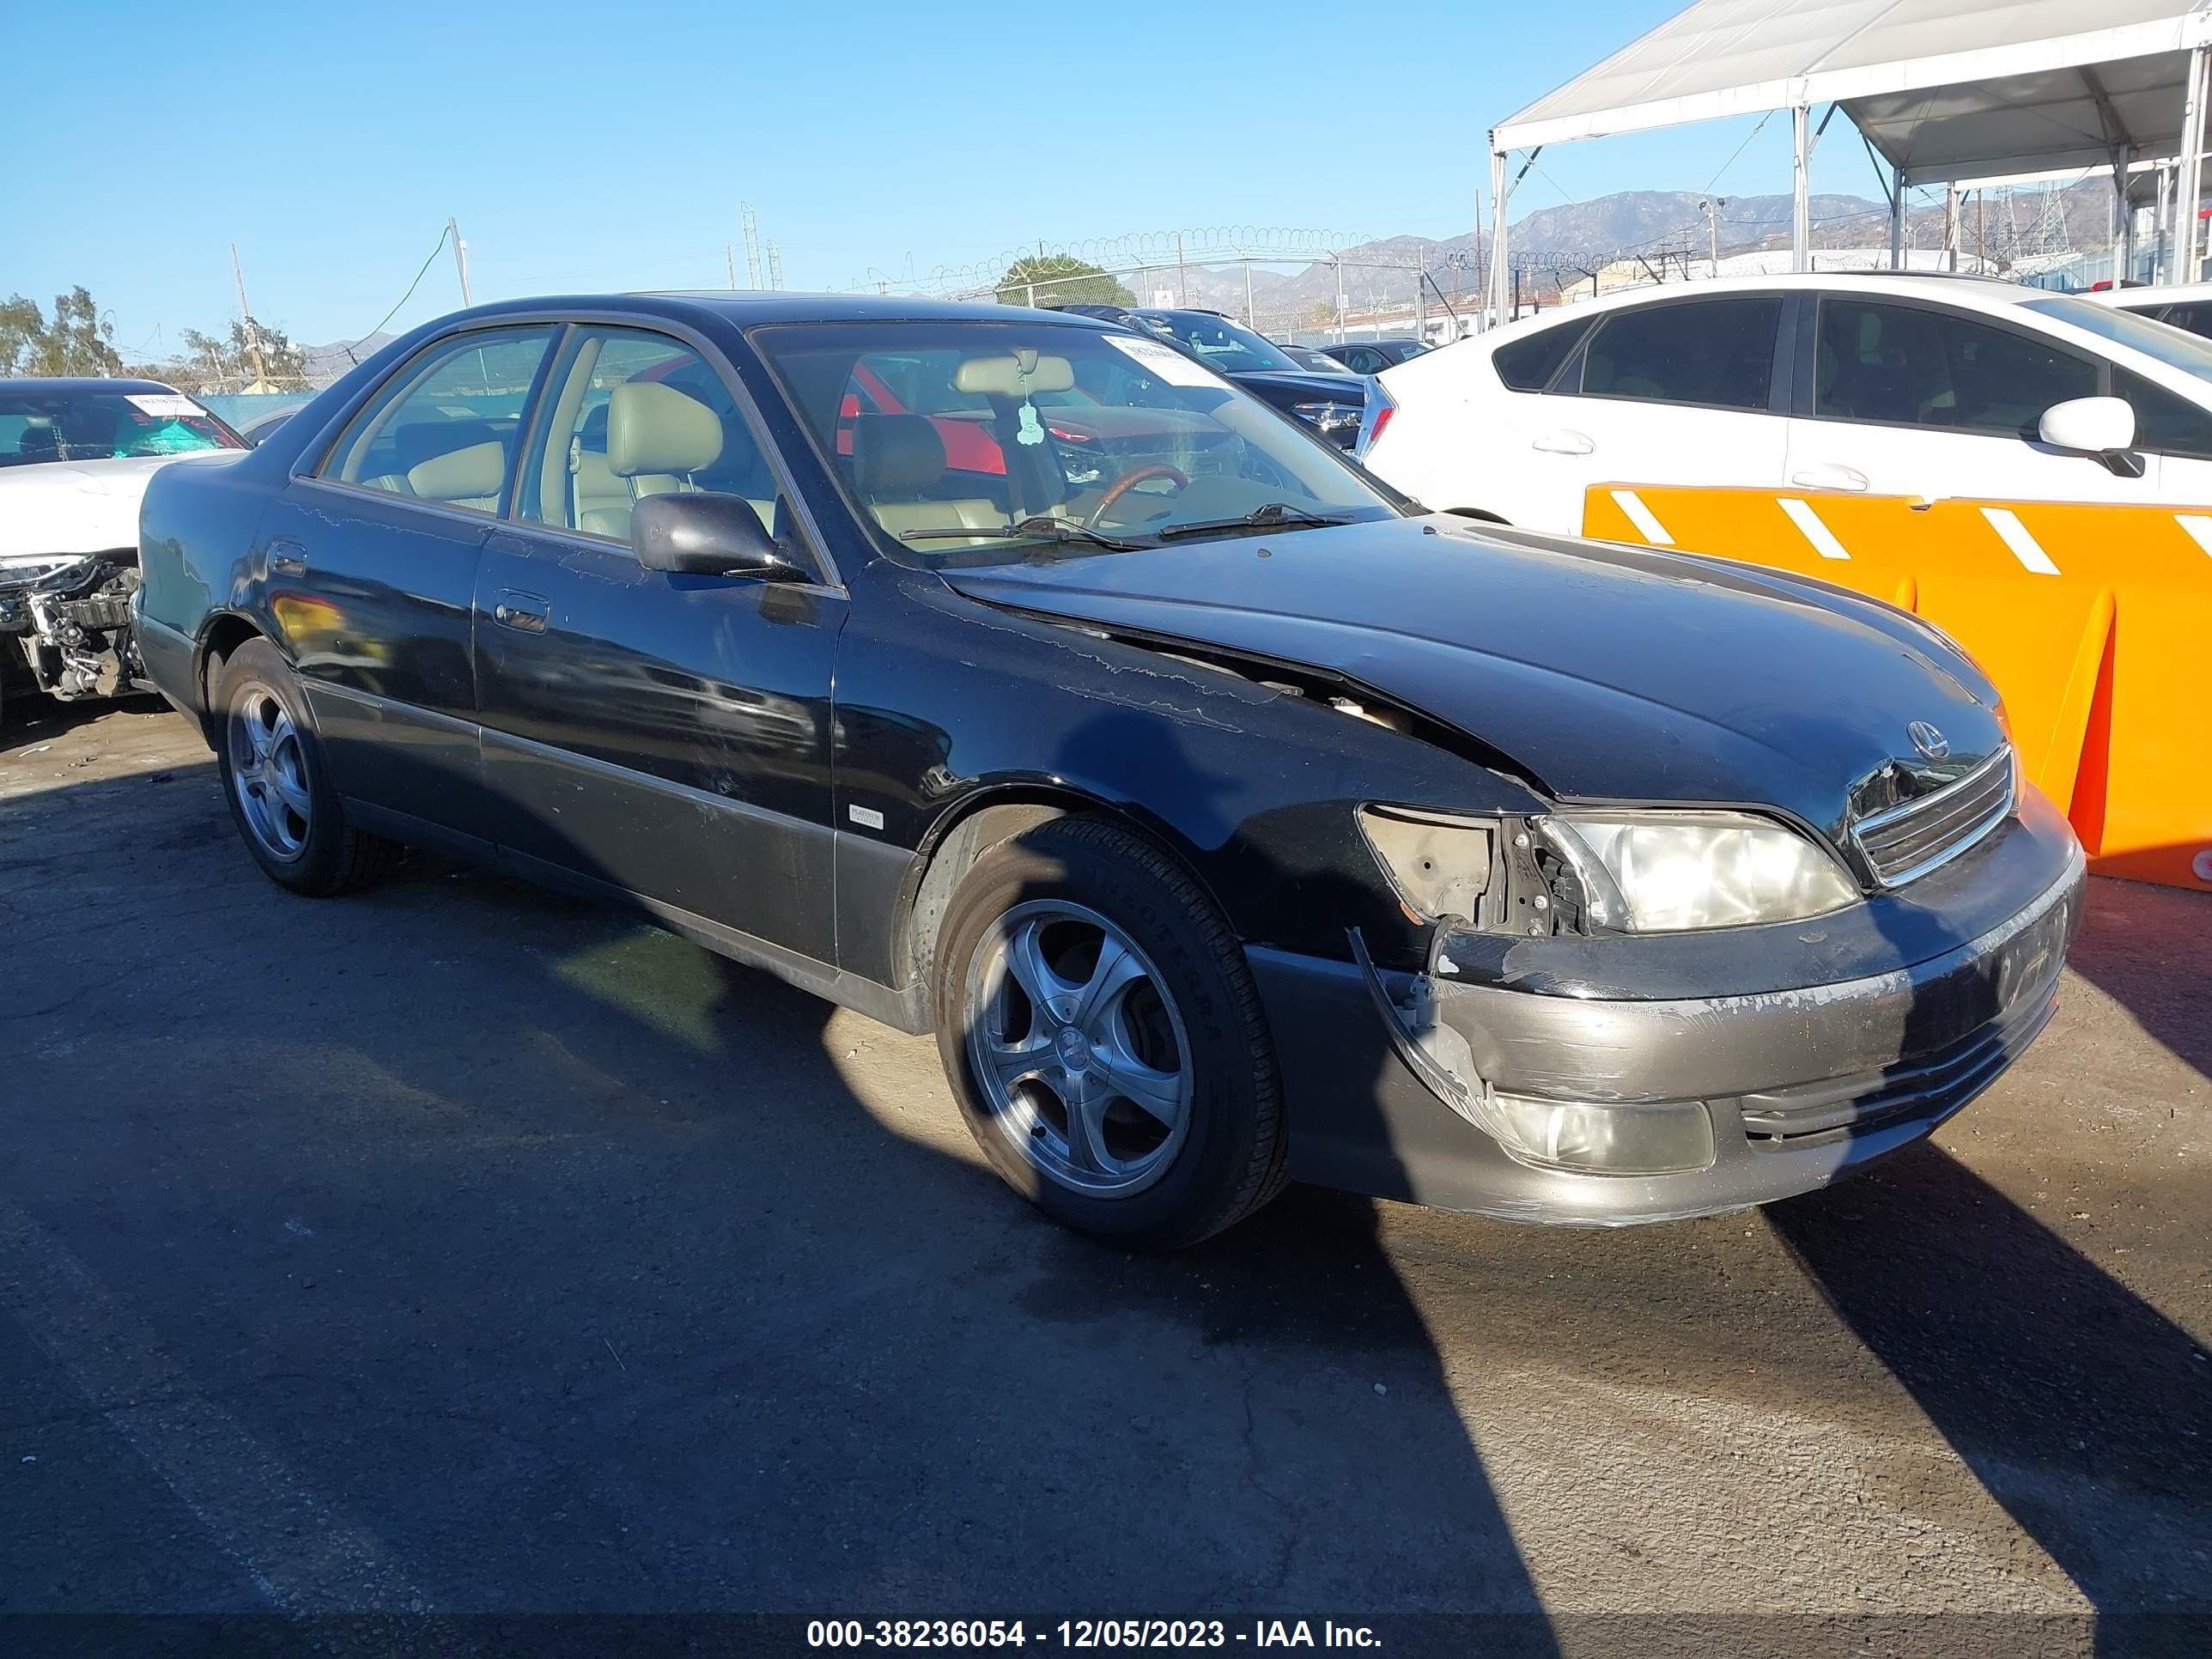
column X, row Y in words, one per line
column 1557, row 241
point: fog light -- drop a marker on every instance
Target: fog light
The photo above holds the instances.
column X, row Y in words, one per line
column 1593, row 1139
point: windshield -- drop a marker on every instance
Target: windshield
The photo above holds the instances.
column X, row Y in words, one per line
column 2175, row 347
column 1217, row 341
column 102, row 426
column 987, row 442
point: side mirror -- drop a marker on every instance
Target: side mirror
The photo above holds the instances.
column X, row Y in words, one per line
column 2094, row 426
column 706, row 534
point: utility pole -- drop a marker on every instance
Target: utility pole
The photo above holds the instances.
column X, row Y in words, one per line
column 245, row 310
column 1251, row 316
column 461, row 259
column 1182, row 276
column 1712, row 206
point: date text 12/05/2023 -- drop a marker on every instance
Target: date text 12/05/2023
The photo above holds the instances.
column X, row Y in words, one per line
column 1080, row 1633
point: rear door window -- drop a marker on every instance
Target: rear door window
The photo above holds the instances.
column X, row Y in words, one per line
column 1915, row 366
column 1718, row 353
column 1528, row 364
column 443, row 428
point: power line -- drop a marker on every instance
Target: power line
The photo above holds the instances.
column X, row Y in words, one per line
column 405, row 297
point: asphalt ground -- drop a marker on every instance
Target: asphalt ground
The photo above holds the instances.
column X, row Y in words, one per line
column 462, row 1250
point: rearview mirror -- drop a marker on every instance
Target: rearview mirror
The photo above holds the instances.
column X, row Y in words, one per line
column 706, row 534
column 2094, row 426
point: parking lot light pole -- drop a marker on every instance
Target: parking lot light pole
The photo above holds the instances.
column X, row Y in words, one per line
column 1801, row 196
column 1497, row 276
column 2188, row 187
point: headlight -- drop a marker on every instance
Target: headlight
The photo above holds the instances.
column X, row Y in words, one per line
column 1329, row 418
column 1664, row 872
column 1440, row 864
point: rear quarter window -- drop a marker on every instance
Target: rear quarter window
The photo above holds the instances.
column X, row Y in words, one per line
column 1528, row 364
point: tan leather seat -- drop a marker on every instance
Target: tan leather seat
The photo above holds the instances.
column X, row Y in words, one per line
column 469, row 476
column 657, row 438
column 897, row 459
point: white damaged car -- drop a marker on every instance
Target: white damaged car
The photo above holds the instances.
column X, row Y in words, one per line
column 75, row 457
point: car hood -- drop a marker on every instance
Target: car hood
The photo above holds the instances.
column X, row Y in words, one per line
column 1319, row 388
column 1602, row 672
column 80, row 506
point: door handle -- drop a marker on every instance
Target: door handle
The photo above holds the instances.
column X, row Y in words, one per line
column 1563, row 441
column 523, row 610
column 287, row 559
column 1828, row 474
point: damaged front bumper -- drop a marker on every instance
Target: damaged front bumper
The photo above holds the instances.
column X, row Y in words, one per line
column 68, row 620
column 1604, row 1081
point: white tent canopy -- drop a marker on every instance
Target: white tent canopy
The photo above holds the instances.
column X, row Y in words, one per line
column 1943, row 89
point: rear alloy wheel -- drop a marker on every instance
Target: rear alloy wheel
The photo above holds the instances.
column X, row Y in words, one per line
column 1104, row 1039
column 289, row 815
column 269, row 773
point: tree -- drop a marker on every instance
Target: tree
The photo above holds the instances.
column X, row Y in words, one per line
column 1053, row 280
column 76, row 342
column 251, row 351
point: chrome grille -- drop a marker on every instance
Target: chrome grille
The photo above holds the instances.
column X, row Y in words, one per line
column 1911, row 839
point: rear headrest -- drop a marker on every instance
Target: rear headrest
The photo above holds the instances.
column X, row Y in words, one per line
column 897, row 455
column 1869, row 334
column 1000, row 377
column 656, row 428
column 467, row 474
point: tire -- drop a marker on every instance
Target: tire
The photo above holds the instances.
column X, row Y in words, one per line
column 1174, row 1021
column 278, row 787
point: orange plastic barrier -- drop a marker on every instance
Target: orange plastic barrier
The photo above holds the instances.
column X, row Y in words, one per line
column 2094, row 622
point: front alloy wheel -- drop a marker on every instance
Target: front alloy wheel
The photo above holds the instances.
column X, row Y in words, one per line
column 1104, row 1039
column 1078, row 1048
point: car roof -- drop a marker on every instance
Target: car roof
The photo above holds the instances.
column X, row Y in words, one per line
column 747, row 309
column 1946, row 286
column 81, row 383
column 2137, row 298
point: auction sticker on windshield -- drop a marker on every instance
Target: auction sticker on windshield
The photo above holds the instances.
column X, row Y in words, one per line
column 170, row 405
column 1165, row 361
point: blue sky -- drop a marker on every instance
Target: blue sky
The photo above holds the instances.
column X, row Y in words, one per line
column 608, row 146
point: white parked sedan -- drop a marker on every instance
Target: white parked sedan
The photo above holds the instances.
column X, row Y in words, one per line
column 1905, row 384
column 75, row 457
column 2185, row 305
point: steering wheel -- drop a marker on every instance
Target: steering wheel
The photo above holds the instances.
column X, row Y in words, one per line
column 1127, row 482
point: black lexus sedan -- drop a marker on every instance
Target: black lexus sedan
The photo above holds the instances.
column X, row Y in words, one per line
column 1332, row 403
column 1225, row 824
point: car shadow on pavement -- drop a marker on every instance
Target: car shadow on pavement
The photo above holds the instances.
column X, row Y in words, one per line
column 2018, row 1345
column 666, row 1286
column 2021, row 1350
column 1258, row 1426
column 2150, row 948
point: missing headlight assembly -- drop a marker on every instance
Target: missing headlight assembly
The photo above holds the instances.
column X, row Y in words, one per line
column 1497, row 875
column 70, row 617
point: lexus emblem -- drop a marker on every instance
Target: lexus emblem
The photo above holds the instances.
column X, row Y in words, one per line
column 1932, row 744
